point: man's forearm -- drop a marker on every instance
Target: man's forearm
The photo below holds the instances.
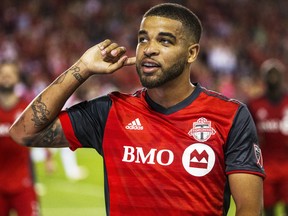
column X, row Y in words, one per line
column 103, row 58
column 46, row 106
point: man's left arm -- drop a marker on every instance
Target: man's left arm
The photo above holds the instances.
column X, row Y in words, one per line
column 244, row 165
column 247, row 192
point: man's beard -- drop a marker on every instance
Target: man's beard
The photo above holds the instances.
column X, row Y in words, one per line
column 166, row 75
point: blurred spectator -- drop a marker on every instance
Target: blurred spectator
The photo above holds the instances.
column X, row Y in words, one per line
column 17, row 192
column 270, row 112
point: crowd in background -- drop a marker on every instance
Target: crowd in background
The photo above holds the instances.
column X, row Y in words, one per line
column 46, row 37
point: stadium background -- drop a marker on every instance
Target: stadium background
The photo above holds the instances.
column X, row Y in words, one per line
column 46, row 37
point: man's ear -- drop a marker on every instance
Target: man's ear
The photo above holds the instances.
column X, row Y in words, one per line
column 193, row 52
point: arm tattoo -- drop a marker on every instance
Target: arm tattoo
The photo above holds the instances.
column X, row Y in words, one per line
column 52, row 136
column 60, row 79
column 75, row 72
column 40, row 112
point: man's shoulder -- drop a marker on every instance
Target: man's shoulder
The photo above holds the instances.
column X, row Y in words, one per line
column 220, row 98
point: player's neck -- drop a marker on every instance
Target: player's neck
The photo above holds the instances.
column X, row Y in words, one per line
column 168, row 96
column 8, row 100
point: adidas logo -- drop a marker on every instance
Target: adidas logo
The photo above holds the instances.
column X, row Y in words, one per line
column 135, row 125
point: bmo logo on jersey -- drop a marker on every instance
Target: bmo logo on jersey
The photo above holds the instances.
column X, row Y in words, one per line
column 197, row 159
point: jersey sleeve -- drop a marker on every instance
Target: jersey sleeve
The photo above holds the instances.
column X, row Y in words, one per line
column 84, row 123
column 243, row 154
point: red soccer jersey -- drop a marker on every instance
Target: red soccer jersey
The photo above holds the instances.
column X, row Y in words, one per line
column 166, row 161
column 15, row 164
column 272, row 124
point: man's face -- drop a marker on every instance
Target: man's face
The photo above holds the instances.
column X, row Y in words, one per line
column 162, row 51
column 8, row 77
column 273, row 79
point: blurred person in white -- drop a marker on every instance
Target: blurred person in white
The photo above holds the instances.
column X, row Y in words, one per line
column 270, row 113
column 221, row 58
column 17, row 192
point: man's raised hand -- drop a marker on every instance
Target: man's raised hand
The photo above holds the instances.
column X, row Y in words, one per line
column 106, row 57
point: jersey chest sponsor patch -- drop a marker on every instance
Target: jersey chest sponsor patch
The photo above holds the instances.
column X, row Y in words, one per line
column 198, row 159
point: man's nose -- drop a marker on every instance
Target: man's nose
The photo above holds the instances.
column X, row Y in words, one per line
column 151, row 50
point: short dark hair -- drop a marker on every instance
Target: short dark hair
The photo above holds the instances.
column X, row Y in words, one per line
column 180, row 13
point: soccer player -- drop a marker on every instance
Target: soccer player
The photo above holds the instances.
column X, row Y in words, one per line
column 270, row 112
column 171, row 148
column 16, row 180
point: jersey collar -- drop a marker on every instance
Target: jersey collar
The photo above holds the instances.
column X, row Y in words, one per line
column 186, row 102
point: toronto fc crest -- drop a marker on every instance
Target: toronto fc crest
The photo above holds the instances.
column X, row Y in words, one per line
column 202, row 130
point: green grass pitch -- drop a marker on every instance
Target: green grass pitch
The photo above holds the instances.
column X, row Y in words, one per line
column 60, row 196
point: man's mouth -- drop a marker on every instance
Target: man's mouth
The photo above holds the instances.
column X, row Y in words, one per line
column 150, row 66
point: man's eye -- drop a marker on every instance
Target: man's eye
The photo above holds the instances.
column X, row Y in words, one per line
column 142, row 40
column 165, row 41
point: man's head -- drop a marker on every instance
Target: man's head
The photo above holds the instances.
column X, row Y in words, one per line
column 168, row 42
column 9, row 76
column 272, row 71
